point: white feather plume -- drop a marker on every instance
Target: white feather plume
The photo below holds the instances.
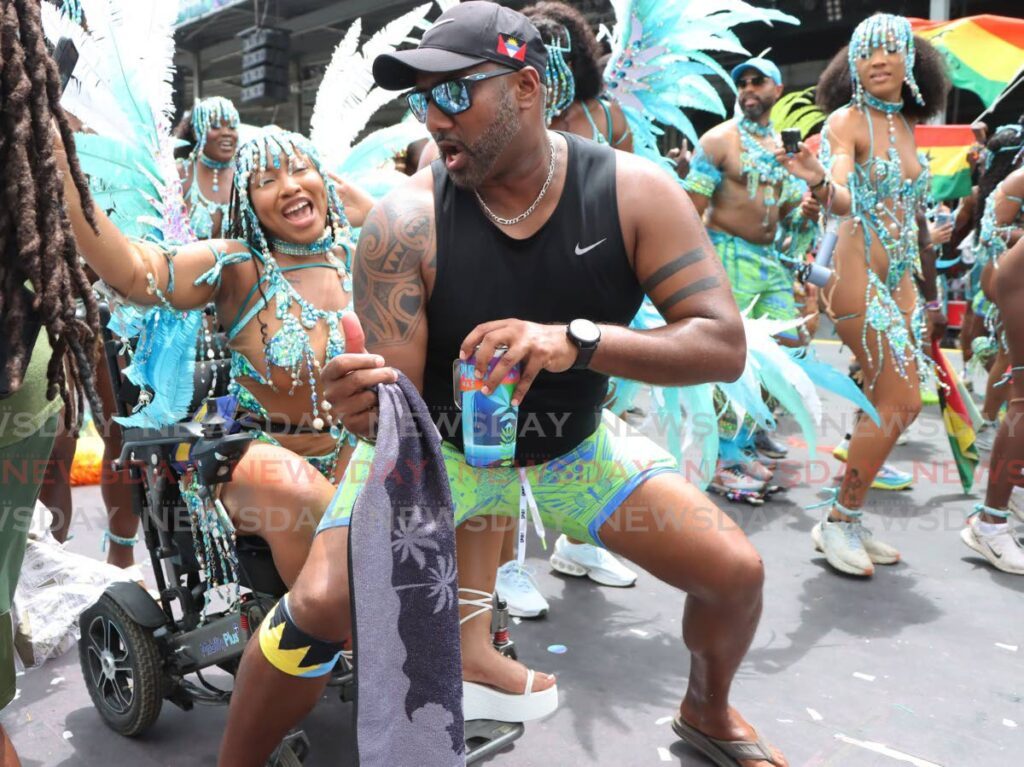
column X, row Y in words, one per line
column 348, row 97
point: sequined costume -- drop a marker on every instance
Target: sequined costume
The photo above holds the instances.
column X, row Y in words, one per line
column 207, row 114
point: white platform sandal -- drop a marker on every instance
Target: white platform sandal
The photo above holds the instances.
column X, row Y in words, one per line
column 480, row 701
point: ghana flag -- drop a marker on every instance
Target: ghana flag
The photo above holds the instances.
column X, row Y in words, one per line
column 947, row 147
column 957, row 418
column 983, row 52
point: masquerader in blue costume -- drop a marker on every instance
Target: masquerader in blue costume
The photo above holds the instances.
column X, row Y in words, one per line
column 209, row 170
column 872, row 179
column 577, row 101
column 281, row 290
column 747, row 198
column 996, row 225
column 988, row 530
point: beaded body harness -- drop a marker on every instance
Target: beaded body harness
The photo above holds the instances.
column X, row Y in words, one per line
column 205, row 115
column 884, row 206
column 290, row 347
column 760, row 168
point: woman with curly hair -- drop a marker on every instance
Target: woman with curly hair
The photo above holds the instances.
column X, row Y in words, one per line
column 575, row 101
column 49, row 316
column 872, row 180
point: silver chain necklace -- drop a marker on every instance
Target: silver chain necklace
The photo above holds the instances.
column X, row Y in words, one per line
column 526, row 213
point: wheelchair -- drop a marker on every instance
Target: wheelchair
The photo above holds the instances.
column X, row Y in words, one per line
column 137, row 651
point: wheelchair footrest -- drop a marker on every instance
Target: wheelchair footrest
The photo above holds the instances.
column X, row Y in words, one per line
column 485, row 737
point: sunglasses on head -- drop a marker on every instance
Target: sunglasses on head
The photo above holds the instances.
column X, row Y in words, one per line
column 451, row 97
column 757, row 81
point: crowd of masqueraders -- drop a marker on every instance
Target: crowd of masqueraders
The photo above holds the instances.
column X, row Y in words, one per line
column 583, row 279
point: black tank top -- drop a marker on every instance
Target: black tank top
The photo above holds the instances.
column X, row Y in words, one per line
column 575, row 266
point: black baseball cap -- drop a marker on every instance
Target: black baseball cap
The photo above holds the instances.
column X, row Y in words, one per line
column 463, row 36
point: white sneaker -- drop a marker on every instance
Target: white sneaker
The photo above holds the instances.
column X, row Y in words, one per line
column 1016, row 504
column 843, row 547
column 516, row 586
column 599, row 565
column 735, row 478
column 879, row 553
column 1001, row 549
column 986, row 435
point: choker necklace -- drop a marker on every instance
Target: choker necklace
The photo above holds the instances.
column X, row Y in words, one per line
column 321, row 246
column 888, row 108
column 526, row 213
column 216, row 167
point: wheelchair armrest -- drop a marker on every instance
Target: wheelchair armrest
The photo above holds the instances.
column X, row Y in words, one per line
column 214, row 458
column 168, row 436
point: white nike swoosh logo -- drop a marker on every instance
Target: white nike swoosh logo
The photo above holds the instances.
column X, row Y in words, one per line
column 580, row 251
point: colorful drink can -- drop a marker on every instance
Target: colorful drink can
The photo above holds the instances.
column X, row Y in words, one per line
column 489, row 421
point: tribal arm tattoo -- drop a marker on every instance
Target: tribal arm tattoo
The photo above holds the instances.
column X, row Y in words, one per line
column 688, row 275
column 390, row 297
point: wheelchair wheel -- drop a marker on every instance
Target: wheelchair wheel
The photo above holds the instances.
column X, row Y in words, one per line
column 122, row 667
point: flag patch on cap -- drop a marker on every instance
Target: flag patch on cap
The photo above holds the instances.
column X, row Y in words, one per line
column 512, row 47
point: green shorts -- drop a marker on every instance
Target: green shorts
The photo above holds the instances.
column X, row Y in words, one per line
column 21, row 474
column 575, row 493
column 758, row 279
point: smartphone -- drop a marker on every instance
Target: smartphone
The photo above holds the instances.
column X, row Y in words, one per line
column 66, row 56
column 791, row 140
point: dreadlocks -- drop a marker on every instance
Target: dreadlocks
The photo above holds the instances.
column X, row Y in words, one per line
column 36, row 243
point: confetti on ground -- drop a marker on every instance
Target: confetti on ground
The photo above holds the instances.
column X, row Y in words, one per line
column 815, row 715
column 903, row 708
column 56, row 680
column 865, row 677
column 664, row 755
column 1009, row 723
column 68, row 735
column 881, row 748
column 1010, row 647
column 784, row 721
column 663, row 721
column 19, row 673
column 639, row 632
column 557, row 649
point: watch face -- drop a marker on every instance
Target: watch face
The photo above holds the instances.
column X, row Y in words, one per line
column 585, row 331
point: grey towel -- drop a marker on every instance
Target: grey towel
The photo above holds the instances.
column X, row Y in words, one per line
column 405, row 595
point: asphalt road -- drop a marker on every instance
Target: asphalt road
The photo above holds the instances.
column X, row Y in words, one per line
column 921, row 665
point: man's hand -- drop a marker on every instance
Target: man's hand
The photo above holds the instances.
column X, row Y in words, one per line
column 681, row 155
column 810, row 207
column 537, row 347
column 357, row 203
column 937, row 323
column 804, row 165
column 348, row 381
column 940, row 235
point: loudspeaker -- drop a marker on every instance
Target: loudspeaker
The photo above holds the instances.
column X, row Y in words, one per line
column 264, row 65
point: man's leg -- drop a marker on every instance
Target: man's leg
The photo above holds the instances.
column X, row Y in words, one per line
column 266, row 701
column 671, row 529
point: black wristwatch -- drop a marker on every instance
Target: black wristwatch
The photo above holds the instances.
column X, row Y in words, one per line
column 586, row 335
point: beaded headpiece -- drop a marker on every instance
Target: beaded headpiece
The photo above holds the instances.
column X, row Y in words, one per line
column 263, row 152
column 208, row 113
column 1018, row 146
column 558, row 76
column 894, row 34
